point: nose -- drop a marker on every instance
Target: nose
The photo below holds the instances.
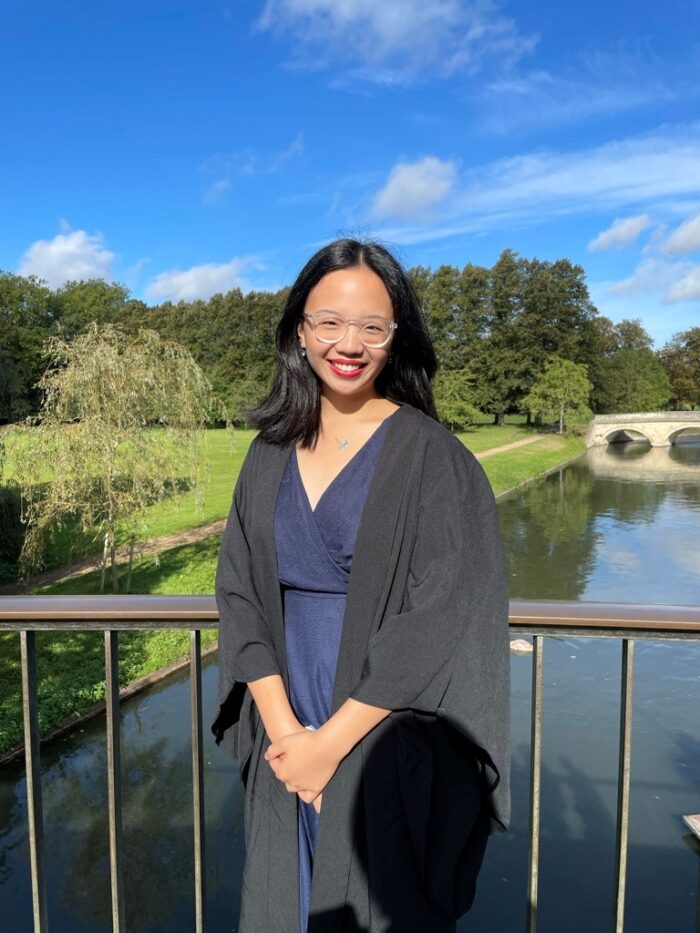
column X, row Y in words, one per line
column 351, row 344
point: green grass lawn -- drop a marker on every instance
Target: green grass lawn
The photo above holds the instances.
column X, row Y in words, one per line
column 178, row 512
column 171, row 515
column 71, row 665
column 516, row 466
column 486, row 436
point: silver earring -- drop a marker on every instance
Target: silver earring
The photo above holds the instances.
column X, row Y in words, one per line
column 303, row 351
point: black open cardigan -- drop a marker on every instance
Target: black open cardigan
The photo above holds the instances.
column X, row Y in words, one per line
column 406, row 816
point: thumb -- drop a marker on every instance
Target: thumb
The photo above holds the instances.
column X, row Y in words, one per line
column 274, row 749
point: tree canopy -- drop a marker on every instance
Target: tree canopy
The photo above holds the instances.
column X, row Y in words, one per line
column 502, row 323
column 562, row 389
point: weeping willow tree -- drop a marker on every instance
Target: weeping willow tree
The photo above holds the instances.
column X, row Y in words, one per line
column 122, row 426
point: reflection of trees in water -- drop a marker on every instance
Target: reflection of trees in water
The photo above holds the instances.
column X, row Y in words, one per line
column 548, row 537
column 158, row 837
column 628, row 503
column 551, row 529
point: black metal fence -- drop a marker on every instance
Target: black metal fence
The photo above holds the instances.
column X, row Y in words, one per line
column 110, row 614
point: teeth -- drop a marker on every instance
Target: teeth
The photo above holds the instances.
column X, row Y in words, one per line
column 347, row 367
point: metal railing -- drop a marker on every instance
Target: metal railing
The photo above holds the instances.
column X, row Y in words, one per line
column 111, row 614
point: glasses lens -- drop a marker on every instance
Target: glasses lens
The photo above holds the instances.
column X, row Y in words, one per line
column 374, row 333
column 331, row 327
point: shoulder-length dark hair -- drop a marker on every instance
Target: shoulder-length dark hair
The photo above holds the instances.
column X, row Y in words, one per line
column 292, row 408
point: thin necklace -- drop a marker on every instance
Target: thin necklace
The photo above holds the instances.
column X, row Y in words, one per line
column 343, row 443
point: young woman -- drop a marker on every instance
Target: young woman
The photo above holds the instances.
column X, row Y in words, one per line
column 364, row 671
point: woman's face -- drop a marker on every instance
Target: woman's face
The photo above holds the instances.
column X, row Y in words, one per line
column 355, row 293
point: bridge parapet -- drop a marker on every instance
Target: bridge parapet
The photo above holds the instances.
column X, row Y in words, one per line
column 660, row 428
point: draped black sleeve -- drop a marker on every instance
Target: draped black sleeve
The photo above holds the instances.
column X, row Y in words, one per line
column 446, row 652
column 245, row 649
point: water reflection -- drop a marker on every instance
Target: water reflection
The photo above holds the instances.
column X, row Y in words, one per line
column 620, row 524
column 594, row 531
column 157, row 819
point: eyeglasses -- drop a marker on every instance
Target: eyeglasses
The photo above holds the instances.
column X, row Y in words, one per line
column 329, row 327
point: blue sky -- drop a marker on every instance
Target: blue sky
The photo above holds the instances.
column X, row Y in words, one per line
column 186, row 148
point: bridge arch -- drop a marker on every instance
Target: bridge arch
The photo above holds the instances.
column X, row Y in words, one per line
column 688, row 430
column 622, row 433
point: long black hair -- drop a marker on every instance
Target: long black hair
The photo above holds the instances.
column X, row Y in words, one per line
column 292, row 408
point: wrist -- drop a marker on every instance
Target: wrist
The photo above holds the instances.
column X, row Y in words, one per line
column 284, row 727
column 329, row 736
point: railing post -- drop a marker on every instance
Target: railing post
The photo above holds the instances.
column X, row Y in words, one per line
column 114, row 780
column 623, row 780
column 32, row 762
column 535, row 779
column 197, row 779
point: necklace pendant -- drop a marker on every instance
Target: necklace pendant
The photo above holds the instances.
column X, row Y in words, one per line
column 343, row 444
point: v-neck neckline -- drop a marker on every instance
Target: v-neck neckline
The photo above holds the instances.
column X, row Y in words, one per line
column 337, row 476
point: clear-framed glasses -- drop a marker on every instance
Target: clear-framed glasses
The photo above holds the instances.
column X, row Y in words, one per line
column 330, row 327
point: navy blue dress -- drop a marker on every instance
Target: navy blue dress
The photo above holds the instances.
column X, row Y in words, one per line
column 314, row 556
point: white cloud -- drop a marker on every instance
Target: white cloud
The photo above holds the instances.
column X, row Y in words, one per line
column 623, row 76
column 686, row 238
column 622, row 232
column 412, row 187
column 214, row 193
column 222, row 169
column 687, row 288
column 72, row 255
column 649, row 172
column 199, row 281
column 676, row 280
column 391, row 41
column 652, row 274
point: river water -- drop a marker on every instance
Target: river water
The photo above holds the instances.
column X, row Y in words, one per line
column 623, row 524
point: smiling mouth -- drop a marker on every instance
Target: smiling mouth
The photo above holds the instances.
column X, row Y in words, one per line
column 347, row 366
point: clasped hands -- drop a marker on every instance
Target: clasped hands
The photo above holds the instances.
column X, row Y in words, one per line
column 305, row 761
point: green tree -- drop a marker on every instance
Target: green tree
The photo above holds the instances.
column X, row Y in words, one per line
column 26, row 319
column 453, row 390
column 498, row 362
column 633, row 380
column 680, row 358
column 121, row 426
column 556, row 319
column 562, row 390
column 631, row 335
column 78, row 304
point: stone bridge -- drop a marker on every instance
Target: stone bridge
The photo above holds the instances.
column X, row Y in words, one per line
column 660, row 428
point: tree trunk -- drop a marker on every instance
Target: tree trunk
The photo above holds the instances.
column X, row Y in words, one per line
column 113, row 557
column 104, row 563
column 131, row 559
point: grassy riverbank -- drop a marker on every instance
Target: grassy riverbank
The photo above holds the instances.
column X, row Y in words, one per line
column 71, row 665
